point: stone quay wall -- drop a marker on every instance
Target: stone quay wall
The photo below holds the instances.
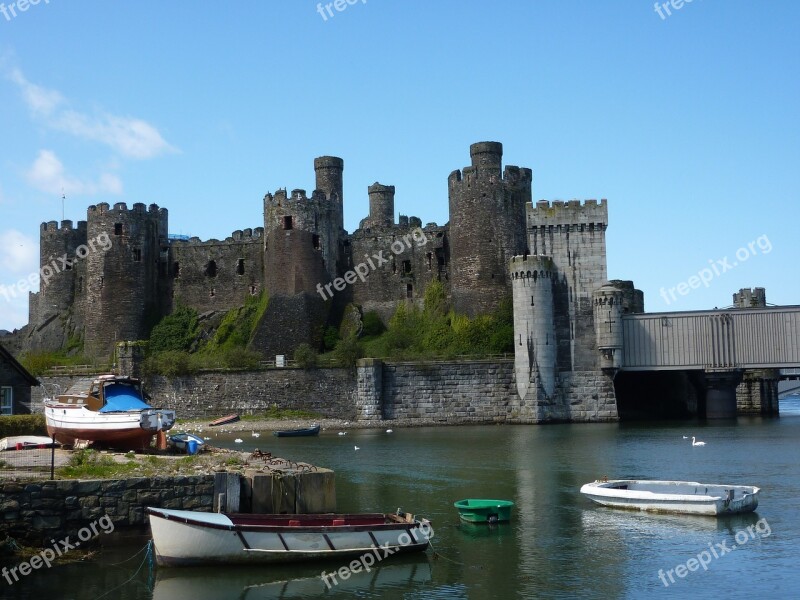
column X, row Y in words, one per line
column 38, row 511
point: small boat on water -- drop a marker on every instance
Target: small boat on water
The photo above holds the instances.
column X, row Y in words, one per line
column 301, row 432
column 186, row 442
column 25, row 442
column 183, row 538
column 684, row 497
column 476, row 510
column 108, row 410
column 224, row 420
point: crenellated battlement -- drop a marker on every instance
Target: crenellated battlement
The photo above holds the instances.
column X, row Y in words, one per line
column 589, row 214
column 66, row 226
column 532, row 267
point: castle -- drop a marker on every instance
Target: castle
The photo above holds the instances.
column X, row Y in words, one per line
column 119, row 293
column 548, row 257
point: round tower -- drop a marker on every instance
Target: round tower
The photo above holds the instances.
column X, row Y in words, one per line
column 609, row 305
column 57, row 262
column 381, row 205
column 487, row 156
column 122, row 274
column 534, row 324
column 487, row 228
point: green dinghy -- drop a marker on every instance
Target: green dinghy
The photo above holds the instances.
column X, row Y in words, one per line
column 475, row 510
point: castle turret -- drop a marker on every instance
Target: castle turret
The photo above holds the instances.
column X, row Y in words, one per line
column 611, row 301
column 58, row 261
column 381, row 205
column 535, row 345
column 487, row 227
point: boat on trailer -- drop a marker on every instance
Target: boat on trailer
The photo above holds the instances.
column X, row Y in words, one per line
column 301, row 432
column 184, row 538
column 683, row 497
column 109, row 411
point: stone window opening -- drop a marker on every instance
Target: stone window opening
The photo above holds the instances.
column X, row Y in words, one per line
column 409, row 291
column 211, row 268
column 240, row 267
column 407, row 267
column 315, row 242
column 117, row 228
column 394, row 266
column 287, row 222
column 137, row 255
column 430, row 261
column 252, row 290
column 212, row 293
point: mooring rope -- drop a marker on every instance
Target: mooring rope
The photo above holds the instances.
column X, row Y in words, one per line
column 145, row 547
column 147, row 556
column 437, row 554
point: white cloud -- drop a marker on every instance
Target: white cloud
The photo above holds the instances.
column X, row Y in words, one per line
column 131, row 137
column 19, row 254
column 40, row 100
column 47, row 174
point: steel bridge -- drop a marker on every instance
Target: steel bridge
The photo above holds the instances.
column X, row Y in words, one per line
column 721, row 343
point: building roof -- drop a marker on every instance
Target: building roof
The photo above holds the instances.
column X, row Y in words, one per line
column 9, row 358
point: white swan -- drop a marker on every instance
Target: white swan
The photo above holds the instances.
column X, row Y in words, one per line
column 356, row 448
column 697, row 443
column 238, row 440
column 256, row 434
column 388, row 431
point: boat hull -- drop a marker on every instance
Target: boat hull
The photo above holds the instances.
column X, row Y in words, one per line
column 185, row 538
column 124, row 430
column 304, row 432
column 484, row 511
column 680, row 497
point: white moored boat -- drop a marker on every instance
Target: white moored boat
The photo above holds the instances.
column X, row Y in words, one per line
column 685, row 497
column 108, row 410
column 182, row 537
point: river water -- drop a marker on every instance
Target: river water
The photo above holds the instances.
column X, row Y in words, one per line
column 558, row 544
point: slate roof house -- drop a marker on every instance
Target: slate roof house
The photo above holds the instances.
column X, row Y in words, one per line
column 15, row 386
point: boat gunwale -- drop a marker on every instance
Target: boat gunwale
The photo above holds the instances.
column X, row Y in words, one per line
column 603, row 489
column 386, row 526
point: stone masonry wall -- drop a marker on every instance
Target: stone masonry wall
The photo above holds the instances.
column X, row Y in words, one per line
column 37, row 512
column 457, row 392
column 328, row 392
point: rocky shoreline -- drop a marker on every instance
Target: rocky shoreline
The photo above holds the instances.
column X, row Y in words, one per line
column 259, row 425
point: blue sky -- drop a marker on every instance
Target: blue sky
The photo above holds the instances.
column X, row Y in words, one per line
column 688, row 124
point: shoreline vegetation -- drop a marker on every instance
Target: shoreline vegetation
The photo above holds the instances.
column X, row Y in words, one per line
column 185, row 342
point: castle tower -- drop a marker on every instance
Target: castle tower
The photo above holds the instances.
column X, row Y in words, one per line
column 303, row 246
column 58, row 261
column 573, row 234
column 534, row 326
column 487, row 227
column 381, row 206
column 122, row 299
column 329, row 180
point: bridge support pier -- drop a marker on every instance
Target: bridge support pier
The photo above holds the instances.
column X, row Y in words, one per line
column 721, row 394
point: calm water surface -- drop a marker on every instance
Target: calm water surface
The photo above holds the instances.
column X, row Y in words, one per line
column 558, row 544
